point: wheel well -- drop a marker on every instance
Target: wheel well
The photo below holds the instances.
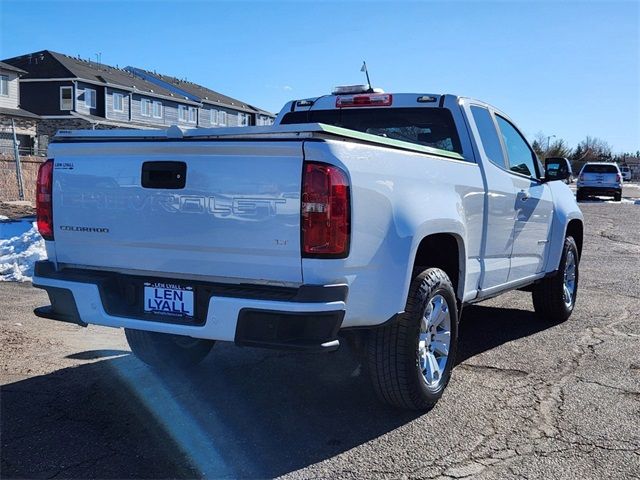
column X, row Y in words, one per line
column 575, row 230
column 440, row 250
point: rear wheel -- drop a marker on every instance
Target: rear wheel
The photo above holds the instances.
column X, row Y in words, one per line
column 579, row 196
column 410, row 361
column 618, row 196
column 555, row 297
column 164, row 350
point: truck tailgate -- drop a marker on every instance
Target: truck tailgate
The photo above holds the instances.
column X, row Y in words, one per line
column 237, row 216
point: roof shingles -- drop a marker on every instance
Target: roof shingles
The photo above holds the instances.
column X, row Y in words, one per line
column 48, row 64
column 206, row 95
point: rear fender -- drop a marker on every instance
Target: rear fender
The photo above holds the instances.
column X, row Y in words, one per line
column 448, row 226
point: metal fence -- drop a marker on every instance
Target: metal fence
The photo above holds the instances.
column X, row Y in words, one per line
column 12, row 141
column 19, row 162
column 25, row 148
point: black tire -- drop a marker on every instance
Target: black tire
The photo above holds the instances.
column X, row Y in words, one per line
column 548, row 295
column 392, row 350
column 617, row 197
column 579, row 196
column 163, row 350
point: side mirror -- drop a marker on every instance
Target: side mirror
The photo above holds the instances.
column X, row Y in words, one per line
column 556, row 169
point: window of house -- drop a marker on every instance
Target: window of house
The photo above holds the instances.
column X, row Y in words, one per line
column 182, row 113
column 157, row 109
column 521, row 158
column 90, row 98
column 488, row 135
column 145, row 107
column 222, row 118
column 118, row 102
column 4, row 85
column 214, row 117
column 243, row 119
column 192, row 115
column 66, row 98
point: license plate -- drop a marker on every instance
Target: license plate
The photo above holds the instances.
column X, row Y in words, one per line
column 168, row 299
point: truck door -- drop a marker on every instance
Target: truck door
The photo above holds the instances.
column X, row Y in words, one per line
column 500, row 198
column 533, row 204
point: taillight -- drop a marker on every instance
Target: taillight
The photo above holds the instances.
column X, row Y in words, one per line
column 618, row 178
column 326, row 211
column 581, row 178
column 44, row 209
column 365, row 100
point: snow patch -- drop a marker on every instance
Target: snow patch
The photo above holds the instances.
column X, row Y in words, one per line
column 21, row 246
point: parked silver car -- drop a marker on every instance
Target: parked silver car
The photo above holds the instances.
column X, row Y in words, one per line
column 626, row 173
column 600, row 178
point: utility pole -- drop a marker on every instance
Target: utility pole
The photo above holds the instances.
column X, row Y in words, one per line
column 548, row 140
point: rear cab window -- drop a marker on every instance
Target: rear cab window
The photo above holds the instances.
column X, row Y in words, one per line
column 488, row 135
column 430, row 127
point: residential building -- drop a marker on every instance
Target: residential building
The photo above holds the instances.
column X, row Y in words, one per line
column 264, row 118
column 72, row 93
column 12, row 117
column 66, row 92
column 216, row 109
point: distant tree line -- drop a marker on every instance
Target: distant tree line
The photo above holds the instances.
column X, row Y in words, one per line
column 591, row 149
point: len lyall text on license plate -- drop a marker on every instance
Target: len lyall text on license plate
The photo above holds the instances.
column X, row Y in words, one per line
column 168, row 299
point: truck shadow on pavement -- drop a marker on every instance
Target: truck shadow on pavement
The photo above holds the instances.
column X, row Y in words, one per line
column 241, row 413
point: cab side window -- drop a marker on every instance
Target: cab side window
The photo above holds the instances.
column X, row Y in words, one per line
column 488, row 135
column 520, row 158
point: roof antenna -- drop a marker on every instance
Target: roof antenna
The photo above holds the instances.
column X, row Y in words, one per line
column 366, row 72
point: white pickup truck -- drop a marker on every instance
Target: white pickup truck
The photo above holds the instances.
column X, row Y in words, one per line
column 365, row 216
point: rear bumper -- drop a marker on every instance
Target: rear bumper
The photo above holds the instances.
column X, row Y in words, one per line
column 307, row 317
column 599, row 190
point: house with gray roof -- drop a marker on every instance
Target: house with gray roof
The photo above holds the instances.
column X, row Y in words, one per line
column 216, row 109
column 68, row 92
column 13, row 118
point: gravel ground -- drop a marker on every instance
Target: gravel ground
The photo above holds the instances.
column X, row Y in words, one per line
column 527, row 399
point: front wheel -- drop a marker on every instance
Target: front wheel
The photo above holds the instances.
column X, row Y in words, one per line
column 555, row 297
column 410, row 361
column 163, row 350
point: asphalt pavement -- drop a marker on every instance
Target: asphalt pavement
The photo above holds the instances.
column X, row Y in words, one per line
column 526, row 400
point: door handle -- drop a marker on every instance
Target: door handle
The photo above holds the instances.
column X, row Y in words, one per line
column 524, row 195
column 164, row 175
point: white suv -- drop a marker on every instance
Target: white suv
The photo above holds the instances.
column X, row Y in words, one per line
column 600, row 178
column 626, row 173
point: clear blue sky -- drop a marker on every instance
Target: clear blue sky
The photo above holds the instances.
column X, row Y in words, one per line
column 566, row 68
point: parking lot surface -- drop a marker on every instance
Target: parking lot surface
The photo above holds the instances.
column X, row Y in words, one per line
column 527, row 399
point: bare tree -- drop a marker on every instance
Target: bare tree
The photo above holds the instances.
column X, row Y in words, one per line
column 545, row 149
column 559, row 148
column 592, row 149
